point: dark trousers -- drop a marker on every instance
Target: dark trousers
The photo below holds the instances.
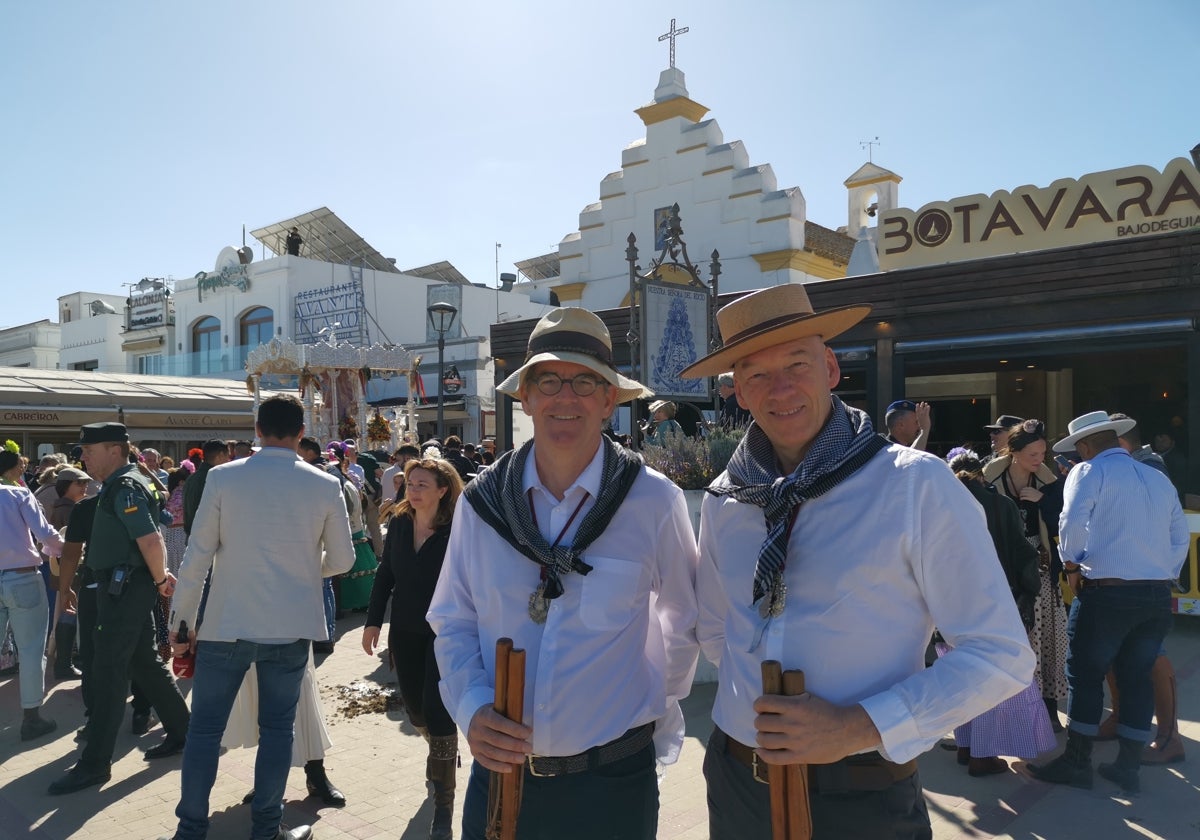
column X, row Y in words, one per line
column 124, row 649
column 417, row 674
column 618, row 801
column 739, row 806
column 86, row 611
column 1121, row 627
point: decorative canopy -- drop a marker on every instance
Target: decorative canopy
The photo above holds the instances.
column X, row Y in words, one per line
column 285, row 357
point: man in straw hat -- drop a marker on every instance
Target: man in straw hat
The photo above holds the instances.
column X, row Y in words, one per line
column 1123, row 539
column 584, row 557
column 860, row 548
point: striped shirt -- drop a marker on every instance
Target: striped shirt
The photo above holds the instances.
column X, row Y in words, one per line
column 1122, row 519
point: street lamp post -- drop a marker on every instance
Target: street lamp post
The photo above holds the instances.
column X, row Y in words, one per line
column 441, row 317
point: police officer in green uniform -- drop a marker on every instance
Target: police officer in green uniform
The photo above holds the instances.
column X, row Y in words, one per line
column 128, row 562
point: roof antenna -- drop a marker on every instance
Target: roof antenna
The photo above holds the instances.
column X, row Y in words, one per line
column 867, row 144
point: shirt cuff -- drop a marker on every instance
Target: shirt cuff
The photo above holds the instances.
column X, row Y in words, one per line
column 470, row 703
column 898, row 733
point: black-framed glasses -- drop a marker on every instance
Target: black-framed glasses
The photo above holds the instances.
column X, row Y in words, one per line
column 584, row 385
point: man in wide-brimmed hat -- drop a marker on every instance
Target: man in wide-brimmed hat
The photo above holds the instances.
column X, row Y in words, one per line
column 585, row 558
column 1123, row 539
column 827, row 548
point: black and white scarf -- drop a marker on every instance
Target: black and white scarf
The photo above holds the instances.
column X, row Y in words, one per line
column 842, row 447
column 497, row 496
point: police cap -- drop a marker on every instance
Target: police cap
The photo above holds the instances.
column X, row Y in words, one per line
column 103, row 433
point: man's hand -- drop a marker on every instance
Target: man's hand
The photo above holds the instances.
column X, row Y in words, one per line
column 70, row 600
column 182, row 644
column 924, row 422
column 370, row 640
column 808, row 730
column 168, row 587
column 498, row 743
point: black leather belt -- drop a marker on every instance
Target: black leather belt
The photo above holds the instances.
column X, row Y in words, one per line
column 862, row 772
column 633, row 741
column 1089, row 583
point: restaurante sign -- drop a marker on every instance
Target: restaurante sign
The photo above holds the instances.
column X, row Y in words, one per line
column 1135, row 201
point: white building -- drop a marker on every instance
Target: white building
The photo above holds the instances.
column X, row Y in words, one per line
column 726, row 203
column 30, row 345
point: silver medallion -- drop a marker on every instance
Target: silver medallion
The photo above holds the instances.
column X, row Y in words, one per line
column 771, row 605
column 539, row 604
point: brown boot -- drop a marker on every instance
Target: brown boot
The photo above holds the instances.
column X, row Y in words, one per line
column 1167, row 746
column 439, row 770
column 1108, row 729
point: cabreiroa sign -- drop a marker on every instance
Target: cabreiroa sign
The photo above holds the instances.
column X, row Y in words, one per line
column 1136, row 201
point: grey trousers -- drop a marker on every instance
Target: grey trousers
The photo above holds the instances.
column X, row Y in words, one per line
column 739, row 806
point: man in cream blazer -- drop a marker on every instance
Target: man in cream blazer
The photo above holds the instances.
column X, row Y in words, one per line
column 270, row 528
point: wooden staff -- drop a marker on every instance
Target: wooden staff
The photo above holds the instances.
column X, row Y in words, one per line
column 799, row 816
column 504, row 789
column 791, row 815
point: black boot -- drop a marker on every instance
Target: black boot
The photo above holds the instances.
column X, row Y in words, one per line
column 319, row 785
column 439, row 770
column 1073, row 767
column 64, row 644
column 1124, row 771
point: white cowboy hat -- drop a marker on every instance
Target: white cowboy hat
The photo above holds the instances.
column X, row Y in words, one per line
column 768, row 317
column 578, row 336
column 1090, row 424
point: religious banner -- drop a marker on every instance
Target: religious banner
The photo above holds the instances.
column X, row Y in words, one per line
column 674, row 335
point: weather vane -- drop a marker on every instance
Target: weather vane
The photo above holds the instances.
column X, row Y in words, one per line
column 867, row 144
column 672, row 35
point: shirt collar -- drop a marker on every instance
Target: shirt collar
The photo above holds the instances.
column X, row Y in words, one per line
column 275, row 452
column 1114, row 451
column 588, row 480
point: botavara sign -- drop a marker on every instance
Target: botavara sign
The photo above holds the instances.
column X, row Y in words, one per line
column 1136, row 201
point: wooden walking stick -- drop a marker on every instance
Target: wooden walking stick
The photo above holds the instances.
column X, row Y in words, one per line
column 772, row 681
column 799, row 815
column 504, row 789
column 791, row 815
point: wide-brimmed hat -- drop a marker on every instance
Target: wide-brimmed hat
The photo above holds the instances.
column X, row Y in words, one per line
column 1090, row 424
column 577, row 336
column 768, row 317
column 1004, row 421
column 666, row 405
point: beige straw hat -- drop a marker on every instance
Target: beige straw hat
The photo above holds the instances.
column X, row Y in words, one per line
column 768, row 317
column 574, row 335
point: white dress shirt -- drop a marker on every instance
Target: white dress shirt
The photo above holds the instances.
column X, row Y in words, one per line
column 618, row 648
column 872, row 567
column 1122, row 519
column 270, row 528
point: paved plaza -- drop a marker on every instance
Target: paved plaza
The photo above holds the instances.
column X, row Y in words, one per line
column 379, row 762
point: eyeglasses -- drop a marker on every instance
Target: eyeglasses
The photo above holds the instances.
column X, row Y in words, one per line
column 584, row 385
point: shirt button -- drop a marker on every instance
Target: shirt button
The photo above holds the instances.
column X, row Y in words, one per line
column 541, row 706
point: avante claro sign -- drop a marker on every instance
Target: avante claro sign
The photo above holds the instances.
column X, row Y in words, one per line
column 1136, row 201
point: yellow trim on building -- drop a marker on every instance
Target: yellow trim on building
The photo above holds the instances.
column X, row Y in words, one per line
column 691, row 148
column 562, row 257
column 635, row 163
column 679, row 106
column 877, row 180
column 746, row 193
column 775, row 218
column 591, row 227
column 797, row 259
column 612, row 195
column 569, row 292
column 715, row 171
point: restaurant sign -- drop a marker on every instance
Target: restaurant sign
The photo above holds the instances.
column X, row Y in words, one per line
column 154, row 309
column 1102, row 206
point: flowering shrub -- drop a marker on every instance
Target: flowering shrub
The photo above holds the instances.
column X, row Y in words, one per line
column 693, row 462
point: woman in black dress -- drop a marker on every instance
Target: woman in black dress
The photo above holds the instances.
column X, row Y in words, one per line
column 412, row 560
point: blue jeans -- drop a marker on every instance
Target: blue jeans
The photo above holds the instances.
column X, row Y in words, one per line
column 1121, row 627
column 330, row 602
column 23, row 606
column 220, row 669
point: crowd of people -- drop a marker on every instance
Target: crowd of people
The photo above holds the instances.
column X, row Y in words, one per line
column 235, row 564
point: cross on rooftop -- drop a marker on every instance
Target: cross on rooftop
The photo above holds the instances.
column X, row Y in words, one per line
column 672, row 35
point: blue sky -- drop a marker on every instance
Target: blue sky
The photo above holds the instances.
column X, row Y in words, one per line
column 140, row 136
